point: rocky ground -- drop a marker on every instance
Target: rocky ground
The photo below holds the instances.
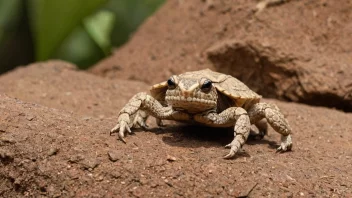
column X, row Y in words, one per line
column 296, row 51
column 58, row 143
column 55, row 120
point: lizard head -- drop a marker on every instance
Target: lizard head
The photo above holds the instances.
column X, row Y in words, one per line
column 191, row 94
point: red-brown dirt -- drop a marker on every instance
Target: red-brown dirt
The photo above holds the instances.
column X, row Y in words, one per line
column 57, row 143
column 297, row 51
column 55, row 120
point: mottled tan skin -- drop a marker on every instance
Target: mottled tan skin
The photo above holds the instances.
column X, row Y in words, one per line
column 205, row 97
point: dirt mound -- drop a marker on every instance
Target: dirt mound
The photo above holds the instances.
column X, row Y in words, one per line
column 58, row 84
column 297, row 50
column 67, row 151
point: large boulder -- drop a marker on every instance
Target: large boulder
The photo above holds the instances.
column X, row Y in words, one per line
column 294, row 50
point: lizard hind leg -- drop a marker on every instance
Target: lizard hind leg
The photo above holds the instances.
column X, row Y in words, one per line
column 259, row 129
column 139, row 119
column 276, row 120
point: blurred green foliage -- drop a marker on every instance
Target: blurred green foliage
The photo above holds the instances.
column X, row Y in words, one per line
column 9, row 11
column 79, row 31
column 52, row 21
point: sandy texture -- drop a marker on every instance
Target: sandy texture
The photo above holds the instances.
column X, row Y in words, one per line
column 58, row 144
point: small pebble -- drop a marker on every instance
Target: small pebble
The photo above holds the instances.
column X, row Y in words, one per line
column 115, row 175
column 168, row 182
column 76, row 158
column 6, row 155
column 90, row 164
column 114, row 155
column 100, row 178
column 9, row 140
column 3, row 128
column 53, row 151
column 171, row 158
column 154, row 185
column 30, row 117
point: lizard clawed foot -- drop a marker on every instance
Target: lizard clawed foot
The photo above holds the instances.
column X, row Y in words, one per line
column 142, row 125
column 234, row 147
column 286, row 144
column 140, row 122
column 160, row 123
column 121, row 127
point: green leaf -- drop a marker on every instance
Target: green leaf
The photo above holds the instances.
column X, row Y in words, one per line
column 99, row 26
column 53, row 20
column 79, row 48
column 129, row 15
column 9, row 14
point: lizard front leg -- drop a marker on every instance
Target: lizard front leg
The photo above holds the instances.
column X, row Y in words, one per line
column 143, row 103
column 234, row 116
column 276, row 120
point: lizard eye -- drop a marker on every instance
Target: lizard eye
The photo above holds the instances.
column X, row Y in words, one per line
column 171, row 83
column 206, row 86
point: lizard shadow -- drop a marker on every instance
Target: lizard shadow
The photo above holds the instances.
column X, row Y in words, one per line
column 195, row 136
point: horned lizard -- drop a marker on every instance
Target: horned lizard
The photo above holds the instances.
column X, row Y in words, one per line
column 210, row 98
